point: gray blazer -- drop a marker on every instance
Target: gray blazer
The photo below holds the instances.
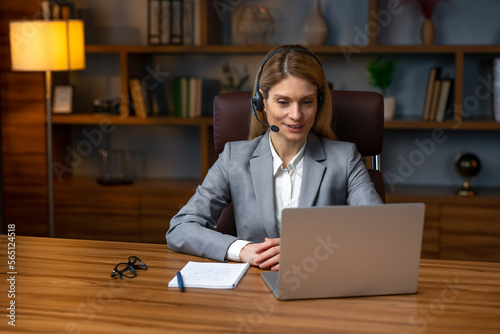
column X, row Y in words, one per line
column 334, row 174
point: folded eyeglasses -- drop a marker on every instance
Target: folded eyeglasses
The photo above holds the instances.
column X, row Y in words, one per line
column 128, row 269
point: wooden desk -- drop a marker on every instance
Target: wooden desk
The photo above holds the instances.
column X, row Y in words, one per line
column 64, row 286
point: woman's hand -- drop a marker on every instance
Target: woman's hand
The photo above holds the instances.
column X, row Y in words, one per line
column 265, row 255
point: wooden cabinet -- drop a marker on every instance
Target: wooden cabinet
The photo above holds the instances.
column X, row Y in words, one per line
column 456, row 228
column 470, row 232
column 136, row 213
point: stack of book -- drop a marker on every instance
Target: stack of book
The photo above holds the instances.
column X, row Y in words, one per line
column 438, row 98
column 496, row 89
column 148, row 100
column 193, row 97
column 174, row 22
column 188, row 98
column 56, row 10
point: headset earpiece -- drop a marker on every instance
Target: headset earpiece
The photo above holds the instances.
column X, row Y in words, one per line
column 258, row 101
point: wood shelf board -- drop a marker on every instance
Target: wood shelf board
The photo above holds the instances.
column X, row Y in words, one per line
column 442, row 194
column 208, row 121
column 449, row 125
column 132, row 120
column 324, row 49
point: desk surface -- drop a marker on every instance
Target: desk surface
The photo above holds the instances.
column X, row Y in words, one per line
column 64, row 286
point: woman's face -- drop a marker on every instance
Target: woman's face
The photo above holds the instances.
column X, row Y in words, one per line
column 291, row 106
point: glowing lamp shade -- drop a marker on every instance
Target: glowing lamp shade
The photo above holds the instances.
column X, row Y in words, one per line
column 47, row 45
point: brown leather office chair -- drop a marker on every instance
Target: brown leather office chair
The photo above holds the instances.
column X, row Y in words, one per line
column 358, row 118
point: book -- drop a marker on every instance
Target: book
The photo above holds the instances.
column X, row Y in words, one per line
column 177, row 27
column 176, row 89
column 154, row 28
column 496, row 90
column 65, row 12
column 209, row 89
column 45, row 8
column 433, row 75
column 443, row 100
column 197, row 19
column 435, row 97
column 188, row 22
column 181, row 96
column 139, row 98
column 56, row 12
column 194, row 97
column 210, row 275
column 159, row 101
column 165, row 22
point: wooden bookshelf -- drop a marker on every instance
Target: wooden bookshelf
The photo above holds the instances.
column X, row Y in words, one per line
column 131, row 120
column 130, row 57
column 324, row 49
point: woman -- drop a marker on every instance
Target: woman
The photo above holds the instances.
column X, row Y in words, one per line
column 296, row 163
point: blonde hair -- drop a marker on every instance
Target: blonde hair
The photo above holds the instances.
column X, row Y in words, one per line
column 291, row 61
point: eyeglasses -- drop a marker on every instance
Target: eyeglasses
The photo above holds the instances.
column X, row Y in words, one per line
column 128, row 269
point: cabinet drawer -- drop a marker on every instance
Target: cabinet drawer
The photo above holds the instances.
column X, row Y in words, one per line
column 470, row 233
column 111, row 227
column 97, row 216
column 84, row 203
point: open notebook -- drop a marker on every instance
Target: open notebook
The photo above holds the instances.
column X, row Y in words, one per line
column 211, row 275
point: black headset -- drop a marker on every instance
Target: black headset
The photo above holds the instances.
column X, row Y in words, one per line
column 258, row 100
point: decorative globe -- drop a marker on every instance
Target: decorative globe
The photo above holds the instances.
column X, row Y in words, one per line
column 467, row 166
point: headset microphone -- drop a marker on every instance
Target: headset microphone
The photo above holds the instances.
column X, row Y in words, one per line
column 274, row 128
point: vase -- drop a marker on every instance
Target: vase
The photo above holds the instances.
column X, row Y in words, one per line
column 389, row 108
column 316, row 27
column 428, row 32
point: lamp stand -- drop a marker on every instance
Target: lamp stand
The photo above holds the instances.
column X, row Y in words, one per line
column 48, row 101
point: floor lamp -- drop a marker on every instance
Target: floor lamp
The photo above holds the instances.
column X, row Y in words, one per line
column 47, row 46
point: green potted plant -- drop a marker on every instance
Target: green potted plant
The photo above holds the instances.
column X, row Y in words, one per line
column 381, row 75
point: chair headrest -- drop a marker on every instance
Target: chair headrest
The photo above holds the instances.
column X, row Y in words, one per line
column 358, row 118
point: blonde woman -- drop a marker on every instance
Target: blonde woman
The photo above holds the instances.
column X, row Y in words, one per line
column 290, row 160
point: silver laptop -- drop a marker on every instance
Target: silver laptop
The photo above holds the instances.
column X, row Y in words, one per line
column 346, row 251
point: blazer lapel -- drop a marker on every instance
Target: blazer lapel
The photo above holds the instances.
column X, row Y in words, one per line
column 313, row 171
column 261, row 168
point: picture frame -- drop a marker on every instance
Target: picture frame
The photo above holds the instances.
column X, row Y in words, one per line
column 63, row 100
